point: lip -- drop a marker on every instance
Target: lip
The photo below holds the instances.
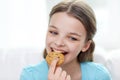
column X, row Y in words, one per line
column 59, row 50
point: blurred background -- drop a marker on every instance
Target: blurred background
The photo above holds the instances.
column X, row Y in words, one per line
column 23, row 23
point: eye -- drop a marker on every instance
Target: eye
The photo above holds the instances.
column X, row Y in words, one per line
column 73, row 38
column 53, row 32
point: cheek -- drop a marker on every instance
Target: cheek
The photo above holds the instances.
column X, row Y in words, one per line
column 76, row 48
column 49, row 40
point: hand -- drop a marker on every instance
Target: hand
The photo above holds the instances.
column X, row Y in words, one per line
column 56, row 73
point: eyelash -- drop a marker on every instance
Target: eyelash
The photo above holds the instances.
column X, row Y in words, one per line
column 73, row 38
column 70, row 37
column 53, row 32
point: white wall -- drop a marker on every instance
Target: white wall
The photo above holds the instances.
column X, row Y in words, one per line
column 108, row 24
column 23, row 23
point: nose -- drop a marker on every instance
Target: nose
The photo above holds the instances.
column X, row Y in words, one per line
column 59, row 42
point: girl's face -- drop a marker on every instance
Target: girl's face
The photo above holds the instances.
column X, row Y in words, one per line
column 67, row 35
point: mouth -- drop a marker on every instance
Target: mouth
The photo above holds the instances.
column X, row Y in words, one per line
column 60, row 51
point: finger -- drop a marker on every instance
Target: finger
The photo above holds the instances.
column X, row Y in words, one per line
column 68, row 77
column 63, row 75
column 58, row 73
column 53, row 66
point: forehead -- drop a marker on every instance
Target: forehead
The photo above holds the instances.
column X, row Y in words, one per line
column 67, row 23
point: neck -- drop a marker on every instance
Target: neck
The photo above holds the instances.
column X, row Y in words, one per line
column 73, row 69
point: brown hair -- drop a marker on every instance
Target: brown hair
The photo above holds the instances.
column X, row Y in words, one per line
column 83, row 12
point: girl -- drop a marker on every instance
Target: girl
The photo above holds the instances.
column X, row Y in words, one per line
column 71, row 29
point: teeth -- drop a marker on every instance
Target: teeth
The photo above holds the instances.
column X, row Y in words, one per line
column 58, row 51
column 55, row 50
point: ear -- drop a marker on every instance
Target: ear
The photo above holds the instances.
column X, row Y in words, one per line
column 86, row 46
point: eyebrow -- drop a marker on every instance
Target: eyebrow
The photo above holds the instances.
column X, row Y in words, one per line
column 52, row 26
column 72, row 33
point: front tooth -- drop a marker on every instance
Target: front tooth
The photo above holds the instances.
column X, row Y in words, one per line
column 58, row 51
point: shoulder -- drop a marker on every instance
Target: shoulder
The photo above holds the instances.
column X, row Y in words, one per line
column 34, row 71
column 94, row 66
column 38, row 67
column 99, row 71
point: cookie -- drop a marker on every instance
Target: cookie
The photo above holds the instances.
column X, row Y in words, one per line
column 52, row 55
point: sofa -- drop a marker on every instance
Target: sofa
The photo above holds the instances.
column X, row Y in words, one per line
column 12, row 61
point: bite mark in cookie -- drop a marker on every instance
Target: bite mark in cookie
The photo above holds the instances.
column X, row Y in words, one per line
column 52, row 55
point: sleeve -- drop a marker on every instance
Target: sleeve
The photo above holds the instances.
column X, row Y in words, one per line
column 26, row 75
column 102, row 73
